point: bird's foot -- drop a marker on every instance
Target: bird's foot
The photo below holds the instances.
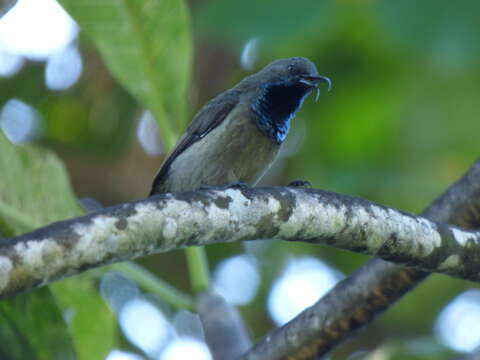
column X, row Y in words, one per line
column 300, row 184
column 233, row 185
column 237, row 185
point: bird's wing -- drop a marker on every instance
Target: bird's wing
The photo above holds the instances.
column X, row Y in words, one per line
column 207, row 119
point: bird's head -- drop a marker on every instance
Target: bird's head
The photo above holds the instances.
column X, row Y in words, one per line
column 297, row 71
column 280, row 89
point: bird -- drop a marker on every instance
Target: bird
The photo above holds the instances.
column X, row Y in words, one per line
column 236, row 136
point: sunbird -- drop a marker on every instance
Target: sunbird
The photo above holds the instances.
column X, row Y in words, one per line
column 236, row 136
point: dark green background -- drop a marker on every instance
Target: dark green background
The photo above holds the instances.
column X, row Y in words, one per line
column 399, row 126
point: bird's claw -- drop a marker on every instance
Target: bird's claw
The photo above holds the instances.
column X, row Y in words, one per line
column 238, row 185
column 300, row 184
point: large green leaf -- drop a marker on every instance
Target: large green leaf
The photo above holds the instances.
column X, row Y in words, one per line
column 147, row 46
column 34, row 190
column 91, row 322
column 32, row 327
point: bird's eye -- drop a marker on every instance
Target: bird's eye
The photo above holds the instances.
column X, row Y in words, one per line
column 290, row 68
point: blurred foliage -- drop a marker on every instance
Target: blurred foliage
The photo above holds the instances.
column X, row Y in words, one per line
column 33, row 173
column 34, row 192
column 34, row 313
column 399, row 126
column 134, row 38
column 91, row 324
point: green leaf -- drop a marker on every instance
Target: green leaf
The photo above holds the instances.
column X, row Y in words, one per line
column 91, row 322
column 32, row 327
column 147, row 46
column 34, row 191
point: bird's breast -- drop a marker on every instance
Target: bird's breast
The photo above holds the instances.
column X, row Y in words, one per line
column 276, row 105
column 236, row 150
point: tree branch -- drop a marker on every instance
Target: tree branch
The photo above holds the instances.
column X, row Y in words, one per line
column 225, row 332
column 171, row 221
column 355, row 301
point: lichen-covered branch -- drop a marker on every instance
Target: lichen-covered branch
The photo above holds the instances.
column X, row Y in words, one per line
column 355, row 301
column 172, row 221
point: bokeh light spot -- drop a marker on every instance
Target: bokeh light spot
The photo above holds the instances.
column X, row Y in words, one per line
column 303, row 282
column 63, row 69
column 144, row 326
column 237, row 279
column 148, row 134
column 36, row 29
column 248, row 57
column 10, row 63
column 117, row 290
column 458, row 325
column 186, row 348
column 19, row 121
column 123, row 355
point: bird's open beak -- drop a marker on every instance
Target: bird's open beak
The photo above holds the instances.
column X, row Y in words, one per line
column 315, row 80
